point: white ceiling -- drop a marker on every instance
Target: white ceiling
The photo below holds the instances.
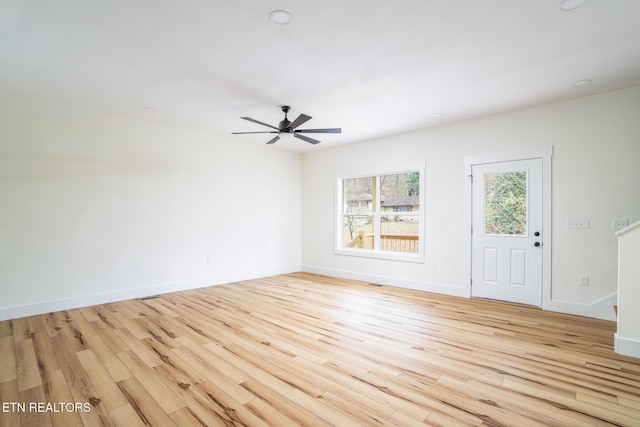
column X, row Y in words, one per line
column 372, row 67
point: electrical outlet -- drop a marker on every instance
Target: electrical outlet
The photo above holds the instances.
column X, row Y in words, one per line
column 619, row 224
column 434, row 266
column 583, row 279
column 578, row 223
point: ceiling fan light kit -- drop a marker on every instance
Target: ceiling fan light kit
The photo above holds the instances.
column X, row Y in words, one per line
column 287, row 129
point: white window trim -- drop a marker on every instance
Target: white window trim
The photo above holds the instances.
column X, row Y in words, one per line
column 376, row 253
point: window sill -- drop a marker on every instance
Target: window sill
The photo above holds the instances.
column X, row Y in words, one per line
column 390, row 256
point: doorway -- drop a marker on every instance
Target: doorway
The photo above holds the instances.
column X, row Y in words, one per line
column 509, row 214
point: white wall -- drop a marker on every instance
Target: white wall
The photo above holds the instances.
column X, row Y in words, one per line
column 95, row 207
column 596, row 173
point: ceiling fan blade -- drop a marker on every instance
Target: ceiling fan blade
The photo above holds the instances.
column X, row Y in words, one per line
column 274, row 140
column 302, row 118
column 306, row 138
column 265, row 131
column 331, row 130
column 259, row 122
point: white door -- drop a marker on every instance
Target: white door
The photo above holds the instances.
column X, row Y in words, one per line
column 507, row 240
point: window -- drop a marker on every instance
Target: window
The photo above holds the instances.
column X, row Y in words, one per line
column 381, row 215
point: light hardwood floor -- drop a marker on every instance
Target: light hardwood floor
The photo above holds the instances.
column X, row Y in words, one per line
column 313, row 350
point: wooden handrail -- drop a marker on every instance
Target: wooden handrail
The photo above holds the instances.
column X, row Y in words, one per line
column 400, row 236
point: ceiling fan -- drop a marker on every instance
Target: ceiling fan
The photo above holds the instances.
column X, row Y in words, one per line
column 288, row 129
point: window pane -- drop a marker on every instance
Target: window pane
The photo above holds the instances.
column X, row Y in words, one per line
column 358, row 195
column 357, row 231
column 400, row 206
column 400, row 192
column 399, row 233
column 506, row 203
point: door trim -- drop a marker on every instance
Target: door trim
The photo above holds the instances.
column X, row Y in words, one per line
column 543, row 153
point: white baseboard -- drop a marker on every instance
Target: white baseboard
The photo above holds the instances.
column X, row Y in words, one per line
column 458, row 291
column 107, row 297
column 626, row 346
column 600, row 309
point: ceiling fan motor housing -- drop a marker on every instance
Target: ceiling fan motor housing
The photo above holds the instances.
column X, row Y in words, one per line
column 285, row 123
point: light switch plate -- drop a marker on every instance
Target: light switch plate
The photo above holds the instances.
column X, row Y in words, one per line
column 578, row 223
column 619, row 224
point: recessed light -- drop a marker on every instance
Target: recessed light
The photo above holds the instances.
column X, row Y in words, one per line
column 437, row 115
column 580, row 83
column 571, row 4
column 280, row 17
column 150, row 110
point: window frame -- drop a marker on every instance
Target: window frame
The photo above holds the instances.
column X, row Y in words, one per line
column 377, row 214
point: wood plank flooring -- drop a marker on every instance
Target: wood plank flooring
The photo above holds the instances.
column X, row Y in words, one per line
column 302, row 349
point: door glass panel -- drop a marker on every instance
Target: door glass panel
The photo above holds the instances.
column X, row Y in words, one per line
column 506, row 203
